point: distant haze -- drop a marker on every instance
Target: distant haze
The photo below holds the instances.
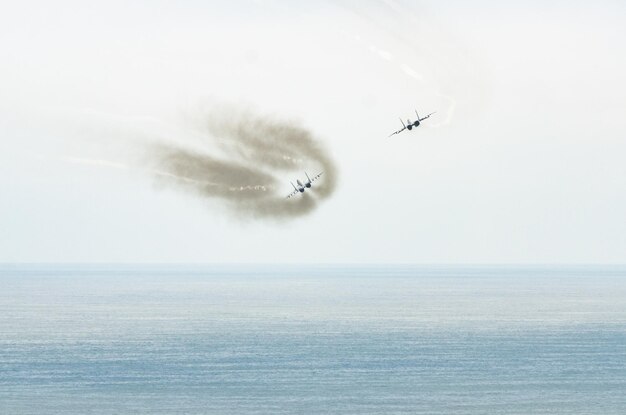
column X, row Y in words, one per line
column 126, row 130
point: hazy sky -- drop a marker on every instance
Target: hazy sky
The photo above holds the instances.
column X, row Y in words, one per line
column 524, row 160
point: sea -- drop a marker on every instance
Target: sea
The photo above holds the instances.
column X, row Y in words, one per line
column 312, row 339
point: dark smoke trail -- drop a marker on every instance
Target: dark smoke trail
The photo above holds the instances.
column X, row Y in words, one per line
column 258, row 158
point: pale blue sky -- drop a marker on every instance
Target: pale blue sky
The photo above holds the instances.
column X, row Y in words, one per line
column 524, row 161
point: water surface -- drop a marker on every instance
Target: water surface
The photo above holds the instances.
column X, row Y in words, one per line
column 152, row 339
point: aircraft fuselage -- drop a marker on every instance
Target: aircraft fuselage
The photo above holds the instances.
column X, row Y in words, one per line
column 410, row 125
column 301, row 186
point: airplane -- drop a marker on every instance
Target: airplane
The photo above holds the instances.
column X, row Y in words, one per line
column 409, row 125
column 302, row 186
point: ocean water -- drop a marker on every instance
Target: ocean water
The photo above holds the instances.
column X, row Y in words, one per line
column 113, row 339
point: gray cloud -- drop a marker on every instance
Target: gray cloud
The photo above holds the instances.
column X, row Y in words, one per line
column 246, row 163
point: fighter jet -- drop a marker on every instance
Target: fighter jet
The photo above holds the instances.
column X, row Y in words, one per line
column 302, row 186
column 409, row 125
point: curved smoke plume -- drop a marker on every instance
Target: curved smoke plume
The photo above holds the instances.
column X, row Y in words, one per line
column 246, row 162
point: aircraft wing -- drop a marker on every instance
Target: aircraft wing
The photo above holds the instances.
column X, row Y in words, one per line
column 292, row 194
column 317, row 176
column 295, row 191
column 421, row 119
column 400, row 130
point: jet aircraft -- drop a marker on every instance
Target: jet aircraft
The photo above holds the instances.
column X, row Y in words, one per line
column 409, row 125
column 302, row 186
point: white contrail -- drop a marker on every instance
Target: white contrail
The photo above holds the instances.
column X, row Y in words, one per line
column 93, row 162
column 121, row 166
column 449, row 111
column 388, row 57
